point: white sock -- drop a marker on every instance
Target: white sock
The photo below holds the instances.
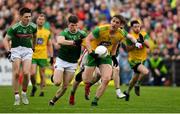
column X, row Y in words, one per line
column 23, row 93
column 118, row 91
column 16, row 96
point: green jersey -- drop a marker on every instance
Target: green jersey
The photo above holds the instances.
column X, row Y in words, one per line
column 71, row 53
column 22, row 35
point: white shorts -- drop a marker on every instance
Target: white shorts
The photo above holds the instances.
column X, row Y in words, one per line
column 64, row 65
column 22, row 53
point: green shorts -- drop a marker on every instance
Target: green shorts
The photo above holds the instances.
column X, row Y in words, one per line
column 40, row 62
column 134, row 63
column 92, row 62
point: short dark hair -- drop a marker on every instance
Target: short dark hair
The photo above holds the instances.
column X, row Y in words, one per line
column 24, row 10
column 42, row 15
column 73, row 19
column 121, row 18
column 134, row 22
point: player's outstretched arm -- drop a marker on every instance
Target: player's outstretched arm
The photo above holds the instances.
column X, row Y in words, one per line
column 137, row 44
column 62, row 40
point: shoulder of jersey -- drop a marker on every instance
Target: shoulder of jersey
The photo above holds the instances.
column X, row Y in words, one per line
column 82, row 32
column 46, row 30
column 33, row 25
column 15, row 25
column 65, row 30
column 143, row 33
column 104, row 27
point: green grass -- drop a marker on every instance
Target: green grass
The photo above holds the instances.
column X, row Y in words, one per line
column 152, row 99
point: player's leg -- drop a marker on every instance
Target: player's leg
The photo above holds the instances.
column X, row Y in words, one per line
column 42, row 64
column 67, row 78
column 106, row 73
column 16, row 69
column 33, row 77
column 73, row 91
column 116, row 78
column 87, row 77
column 96, row 76
column 57, row 78
column 43, row 80
column 76, row 82
column 134, row 65
column 26, row 66
column 66, row 75
column 131, row 85
column 143, row 72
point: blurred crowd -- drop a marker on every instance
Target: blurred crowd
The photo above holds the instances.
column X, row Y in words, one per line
column 160, row 18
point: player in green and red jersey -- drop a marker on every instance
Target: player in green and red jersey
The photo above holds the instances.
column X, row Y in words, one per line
column 70, row 41
column 22, row 36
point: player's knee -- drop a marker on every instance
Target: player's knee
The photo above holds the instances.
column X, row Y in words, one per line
column 16, row 75
column 146, row 72
column 105, row 81
column 57, row 83
column 25, row 73
column 33, row 74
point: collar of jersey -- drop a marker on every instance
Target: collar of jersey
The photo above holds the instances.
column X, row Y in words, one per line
column 71, row 32
column 20, row 22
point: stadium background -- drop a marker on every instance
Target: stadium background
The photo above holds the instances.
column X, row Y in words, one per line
column 160, row 18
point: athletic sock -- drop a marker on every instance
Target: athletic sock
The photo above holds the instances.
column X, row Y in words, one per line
column 24, row 90
column 95, row 99
column 118, row 91
column 16, row 95
column 72, row 93
column 129, row 89
column 55, row 99
column 138, row 83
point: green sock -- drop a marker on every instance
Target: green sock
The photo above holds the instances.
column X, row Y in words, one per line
column 138, row 83
column 95, row 99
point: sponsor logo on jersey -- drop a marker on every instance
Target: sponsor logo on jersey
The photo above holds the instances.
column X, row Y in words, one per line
column 39, row 41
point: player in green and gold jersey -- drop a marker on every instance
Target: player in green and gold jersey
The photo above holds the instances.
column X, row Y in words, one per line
column 42, row 49
column 136, row 57
column 108, row 35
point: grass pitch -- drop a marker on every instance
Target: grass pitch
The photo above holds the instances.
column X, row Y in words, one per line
column 152, row 100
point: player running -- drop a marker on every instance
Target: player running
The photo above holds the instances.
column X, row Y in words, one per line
column 66, row 63
column 108, row 35
column 96, row 78
column 136, row 57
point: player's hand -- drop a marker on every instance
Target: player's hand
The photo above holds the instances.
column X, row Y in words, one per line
column 138, row 45
column 94, row 55
column 141, row 38
column 51, row 61
column 115, row 62
column 78, row 42
column 8, row 55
